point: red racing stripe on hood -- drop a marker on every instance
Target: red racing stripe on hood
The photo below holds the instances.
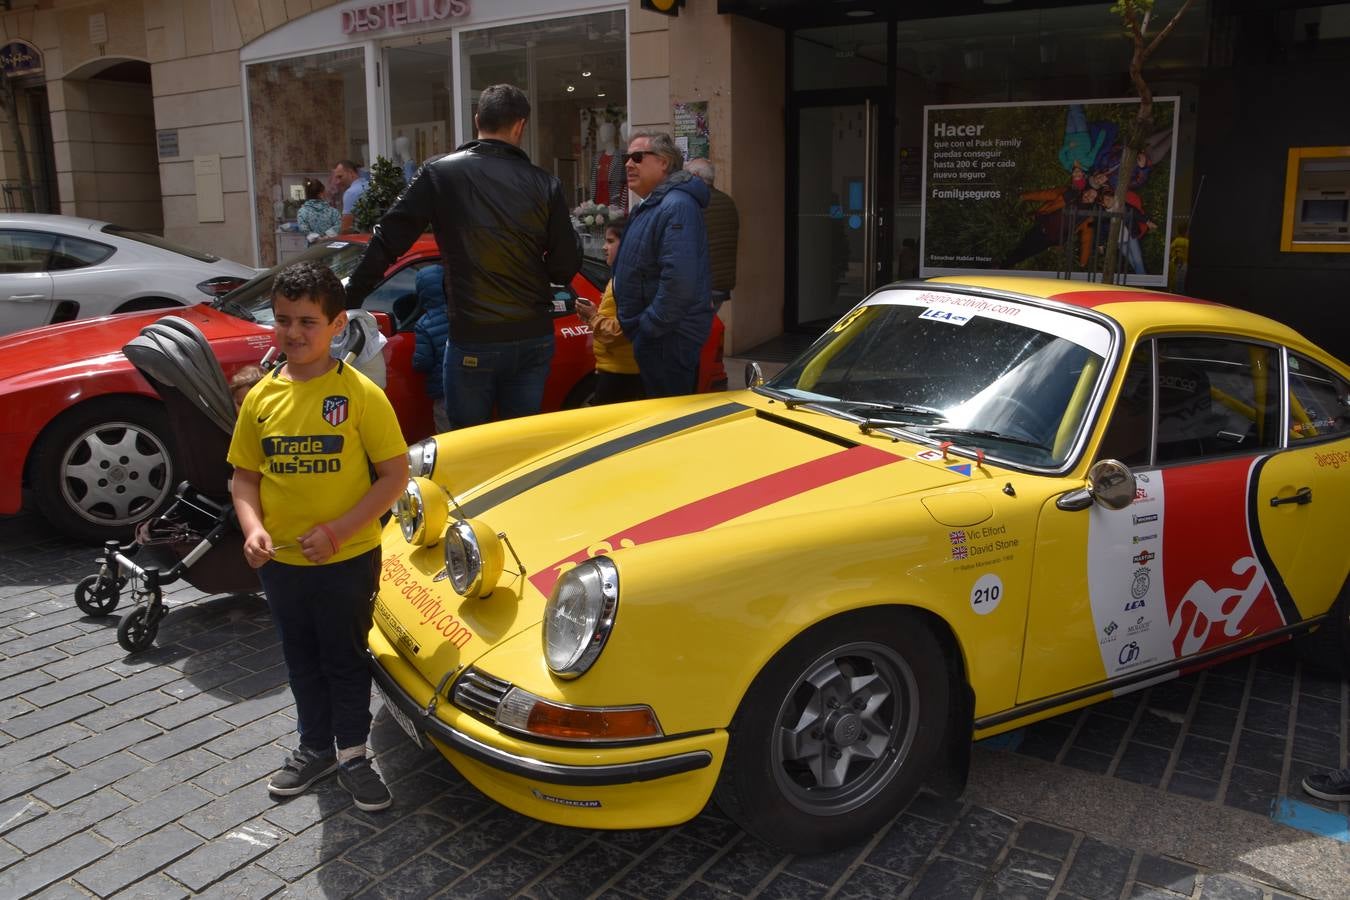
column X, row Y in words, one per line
column 727, row 505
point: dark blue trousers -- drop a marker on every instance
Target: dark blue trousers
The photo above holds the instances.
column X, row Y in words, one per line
column 323, row 614
column 668, row 364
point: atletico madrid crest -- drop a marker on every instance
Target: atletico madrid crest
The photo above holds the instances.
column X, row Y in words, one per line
column 335, row 410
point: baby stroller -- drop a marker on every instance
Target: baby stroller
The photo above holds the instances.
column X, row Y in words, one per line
column 197, row 537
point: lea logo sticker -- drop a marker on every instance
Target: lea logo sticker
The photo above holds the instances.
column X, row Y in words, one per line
column 945, row 315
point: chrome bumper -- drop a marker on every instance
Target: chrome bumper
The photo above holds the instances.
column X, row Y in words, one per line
column 528, row 767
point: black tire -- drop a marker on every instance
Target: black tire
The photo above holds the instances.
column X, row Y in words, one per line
column 104, row 466
column 862, row 746
column 581, row 394
column 1328, row 648
column 99, row 594
column 137, row 630
column 141, row 304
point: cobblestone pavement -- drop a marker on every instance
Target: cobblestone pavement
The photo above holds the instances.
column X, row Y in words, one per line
column 144, row 776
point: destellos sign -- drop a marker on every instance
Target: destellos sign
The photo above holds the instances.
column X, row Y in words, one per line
column 398, row 13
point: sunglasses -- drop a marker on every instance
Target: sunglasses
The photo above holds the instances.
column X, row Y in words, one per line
column 638, row 155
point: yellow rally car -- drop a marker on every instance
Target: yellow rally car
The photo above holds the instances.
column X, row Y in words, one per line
column 972, row 504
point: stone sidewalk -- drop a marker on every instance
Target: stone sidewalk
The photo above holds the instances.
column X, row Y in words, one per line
column 144, row 776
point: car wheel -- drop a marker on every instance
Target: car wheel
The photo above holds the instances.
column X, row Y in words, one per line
column 583, row 394
column 1328, row 648
column 103, row 467
column 837, row 732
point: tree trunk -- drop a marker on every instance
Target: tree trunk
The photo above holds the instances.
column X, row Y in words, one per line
column 16, row 137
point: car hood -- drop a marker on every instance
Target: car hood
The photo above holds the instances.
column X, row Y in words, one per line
column 630, row 492
column 72, row 345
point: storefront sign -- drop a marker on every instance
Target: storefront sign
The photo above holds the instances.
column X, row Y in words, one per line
column 399, row 14
column 20, row 58
column 1027, row 188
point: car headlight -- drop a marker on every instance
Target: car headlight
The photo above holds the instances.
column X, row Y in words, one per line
column 473, row 558
column 422, row 458
column 422, row 511
column 580, row 615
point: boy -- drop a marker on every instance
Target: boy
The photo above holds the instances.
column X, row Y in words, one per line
column 616, row 372
column 429, row 336
column 308, row 511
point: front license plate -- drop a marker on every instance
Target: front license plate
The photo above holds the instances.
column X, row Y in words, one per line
column 400, row 717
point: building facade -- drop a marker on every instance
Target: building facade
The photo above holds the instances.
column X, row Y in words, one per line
column 200, row 119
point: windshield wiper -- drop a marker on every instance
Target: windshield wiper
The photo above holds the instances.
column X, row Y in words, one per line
column 985, row 433
column 236, row 309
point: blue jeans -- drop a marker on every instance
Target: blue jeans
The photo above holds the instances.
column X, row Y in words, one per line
column 323, row 614
column 507, row 375
column 668, row 364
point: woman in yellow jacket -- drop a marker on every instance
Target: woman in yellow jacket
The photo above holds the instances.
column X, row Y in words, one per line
column 616, row 372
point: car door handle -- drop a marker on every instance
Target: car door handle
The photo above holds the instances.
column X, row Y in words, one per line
column 1302, row 496
column 28, row 296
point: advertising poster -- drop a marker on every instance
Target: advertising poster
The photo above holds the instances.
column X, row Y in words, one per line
column 691, row 129
column 1020, row 188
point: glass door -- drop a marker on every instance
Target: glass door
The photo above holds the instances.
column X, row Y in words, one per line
column 838, row 219
column 420, row 106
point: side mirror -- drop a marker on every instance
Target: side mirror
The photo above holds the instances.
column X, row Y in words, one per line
column 754, row 375
column 1110, row 483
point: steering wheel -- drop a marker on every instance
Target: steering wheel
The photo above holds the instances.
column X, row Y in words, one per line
column 1027, row 420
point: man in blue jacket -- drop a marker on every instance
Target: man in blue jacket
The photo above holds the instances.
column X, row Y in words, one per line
column 662, row 278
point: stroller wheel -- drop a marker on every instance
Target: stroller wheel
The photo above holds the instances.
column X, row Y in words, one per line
column 98, row 595
column 137, row 630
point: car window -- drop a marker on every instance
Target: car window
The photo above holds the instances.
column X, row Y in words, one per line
column 25, row 251
column 1129, row 433
column 156, row 241
column 397, row 296
column 76, row 253
column 1319, row 401
column 1215, row 397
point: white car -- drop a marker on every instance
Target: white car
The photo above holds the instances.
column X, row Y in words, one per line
column 57, row 268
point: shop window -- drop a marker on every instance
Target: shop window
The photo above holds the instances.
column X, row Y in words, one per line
column 575, row 72
column 1317, row 201
column 839, row 56
column 421, row 107
column 306, row 114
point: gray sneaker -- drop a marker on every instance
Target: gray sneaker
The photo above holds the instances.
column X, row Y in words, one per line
column 367, row 788
column 301, row 769
column 1333, row 785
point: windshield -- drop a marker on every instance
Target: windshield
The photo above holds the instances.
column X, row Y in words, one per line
column 1010, row 379
column 253, row 299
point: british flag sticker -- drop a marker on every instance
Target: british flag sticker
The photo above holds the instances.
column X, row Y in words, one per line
column 335, row 410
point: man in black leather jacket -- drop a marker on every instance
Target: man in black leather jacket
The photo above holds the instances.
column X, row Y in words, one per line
column 505, row 235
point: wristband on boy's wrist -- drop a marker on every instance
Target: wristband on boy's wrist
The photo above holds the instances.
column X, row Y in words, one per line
column 328, row 533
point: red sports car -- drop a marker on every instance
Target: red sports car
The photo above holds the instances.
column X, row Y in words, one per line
column 86, row 434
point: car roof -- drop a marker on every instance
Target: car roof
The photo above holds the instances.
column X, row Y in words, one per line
column 1138, row 309
column 50, row 220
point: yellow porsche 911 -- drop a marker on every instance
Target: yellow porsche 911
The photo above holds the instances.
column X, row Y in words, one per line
column 972, row 504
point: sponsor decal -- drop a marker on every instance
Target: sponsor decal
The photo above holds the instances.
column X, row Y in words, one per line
column 1177, row 383
column 1139, row 584
column 930, row 455
column 945, row 315
column 1143, row 557
column 398, row 580
column 1204, row 609
column 1129, row 653
column 1110, row 628
column 960, row 553
column 575, row 330
column 962, row 469
column 986, row 594
column 1144, row 520
column 705, row 513
column 564, row 801
column 957, row 537
column 1133, row 605
column 1142, row 538
column 1333, row 459
column 335, row 410
column 1142, row 476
